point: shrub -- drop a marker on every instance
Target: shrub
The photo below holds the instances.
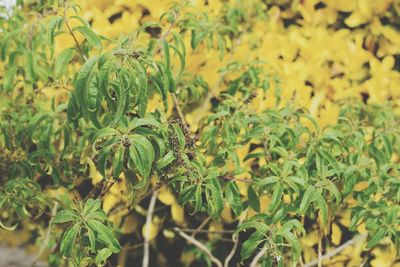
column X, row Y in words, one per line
column 100, row 137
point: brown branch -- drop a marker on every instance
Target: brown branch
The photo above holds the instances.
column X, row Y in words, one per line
column 111, row 184
column 200, row 246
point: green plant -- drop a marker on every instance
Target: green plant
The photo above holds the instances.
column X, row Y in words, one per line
column 102, row 123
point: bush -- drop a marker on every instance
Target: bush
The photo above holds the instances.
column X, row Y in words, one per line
column 173, row 127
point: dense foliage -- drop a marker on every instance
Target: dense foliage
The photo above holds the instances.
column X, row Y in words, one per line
column 267, row 130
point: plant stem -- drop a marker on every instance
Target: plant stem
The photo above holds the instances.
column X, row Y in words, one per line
column 47, row 236
column 73, row 35
column 235, row 240
column 199, row 228
column 149, row 218
column 200, row 246
column 236, row 179
column 200, row 231
column 179, row 111
column 337, row 250
column 259, row 255
column 319, row 247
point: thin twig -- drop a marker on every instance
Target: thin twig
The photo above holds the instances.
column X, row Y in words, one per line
column 319, row 247
column 236, row 179
column 201, row 231
column 174, row 97
column 179, row 111
column 73, row 35
column 301, row 261
column 200, row 246
column 259, row 255
column 337, row 250
column 47, row 236
column 199, row 228
column 149, row 217
column 105, row 191
column 76, row 41
column 235, row 240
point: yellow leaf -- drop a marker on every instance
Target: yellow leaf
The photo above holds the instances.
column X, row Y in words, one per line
column 226, row 214
column 109, row 202
column 310, row 239
column 129, row 225
column 336, row 235
column 93, row 172
column 166, row 197
column 177, row 213
column 168, row 234
column 214, row 226
column 355, row 19
column 361, row 186
column 154, row 227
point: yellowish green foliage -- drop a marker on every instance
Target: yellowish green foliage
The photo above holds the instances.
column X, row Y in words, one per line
column 274, row 122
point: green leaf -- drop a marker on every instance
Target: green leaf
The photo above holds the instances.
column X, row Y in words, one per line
column 378, row 155
column 165, row 49
column 51, row 30
column 5, row 43
column 388, row 147
column 92, row 239
column 91, row 205
column 250, row 245
column 217, row 198
column 323, row 208
column 105, row 235
column 105, row 132
column 9, row 78
column 90, row 36
column 121, row 93
column 104, row 76
column 118, row 161
column 256, row 224
column 233, row 197
column 166, row 160
column 142, row 154
column 306, row 200
column 62, row 62
column 180, row 51
column 102, row 159
column 30, row 66
column 294, row 243
column 179, row 134
column 377, row 236
column 330, row 159
column 142, row 82
column 267, row 181
column 253, row 199
column 68, row 240
column 65, row 216
column 276, row 197
column 102, row 256
column 198, row 199
column 221, row 46
column 83, row 79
